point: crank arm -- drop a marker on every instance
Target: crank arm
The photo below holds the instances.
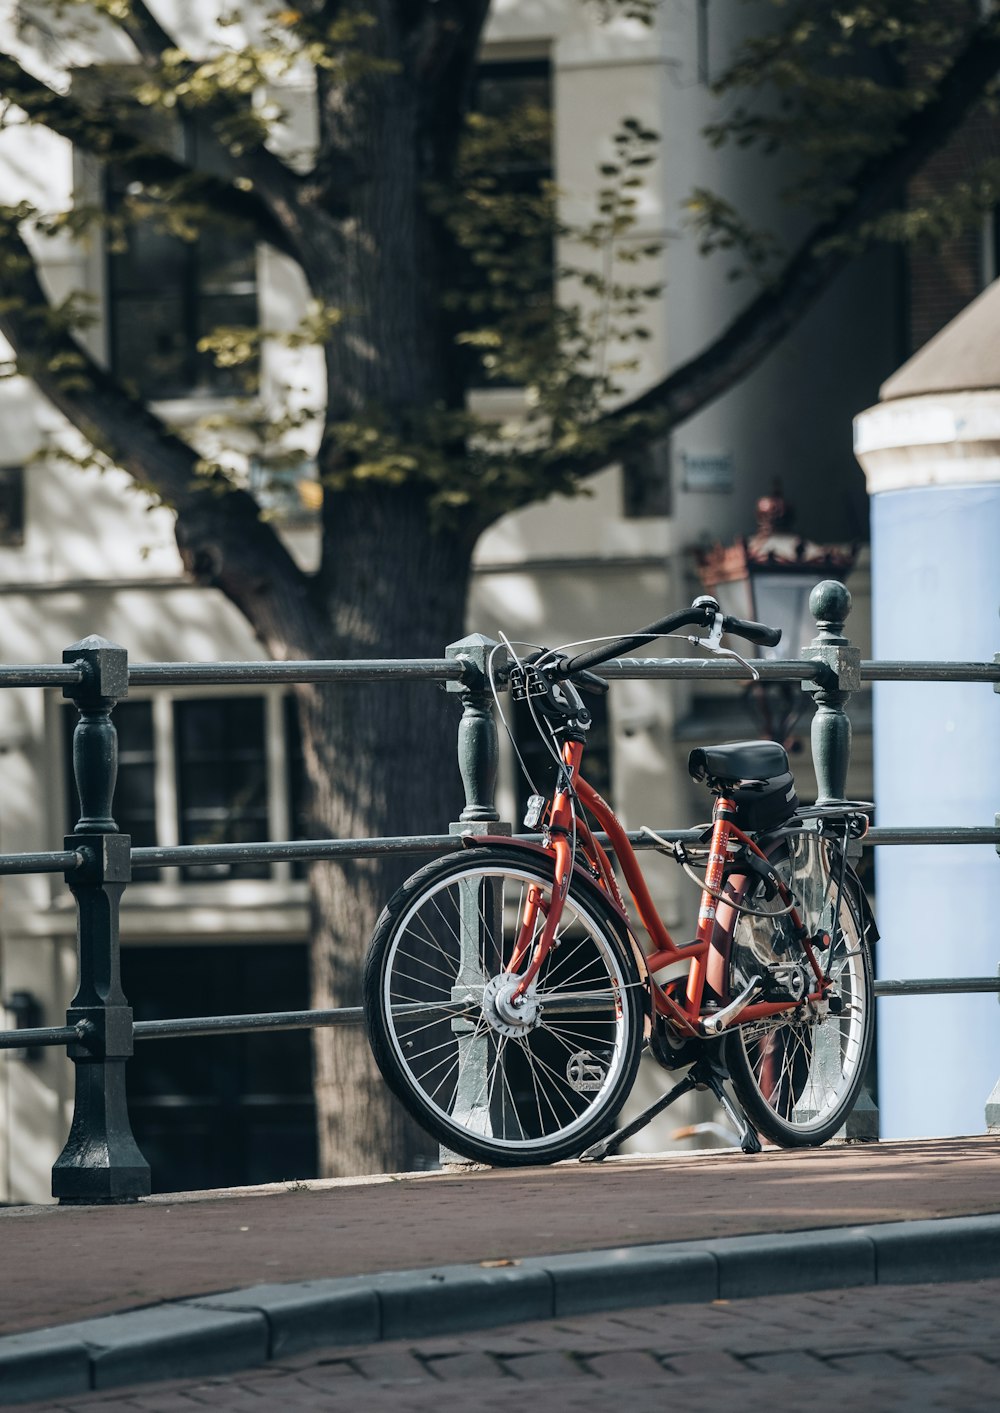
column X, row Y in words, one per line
column 717, row 1023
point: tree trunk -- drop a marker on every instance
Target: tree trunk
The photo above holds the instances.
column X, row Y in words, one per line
column 381, row 760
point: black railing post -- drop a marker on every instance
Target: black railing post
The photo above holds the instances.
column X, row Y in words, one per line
column 830, row 603
column 478, row 748
column 478, row 761
column 101, row 1161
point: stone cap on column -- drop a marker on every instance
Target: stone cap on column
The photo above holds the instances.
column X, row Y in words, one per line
column 938, row 420
column 964, row 356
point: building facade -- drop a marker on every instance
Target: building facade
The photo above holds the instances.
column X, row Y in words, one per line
column 85, row 551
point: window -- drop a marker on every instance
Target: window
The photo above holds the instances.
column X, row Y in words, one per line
column 221, row 779
column 539, row 762
column 11, row 506
column 646, row 481
column 513, row 276
column 296, row 782
column 203, row 770
column 165, row 293
column 991, row 247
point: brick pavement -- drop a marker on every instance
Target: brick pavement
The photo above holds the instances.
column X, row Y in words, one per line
column 910, row 1347
column 170, row 1247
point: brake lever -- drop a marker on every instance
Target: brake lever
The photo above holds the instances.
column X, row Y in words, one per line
column 713, row 644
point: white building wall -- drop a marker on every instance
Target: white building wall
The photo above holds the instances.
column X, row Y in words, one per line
column 99, row 556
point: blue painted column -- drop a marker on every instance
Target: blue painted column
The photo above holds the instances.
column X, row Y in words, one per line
column 933, row 467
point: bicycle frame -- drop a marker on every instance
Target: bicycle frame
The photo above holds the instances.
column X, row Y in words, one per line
column 567, row 832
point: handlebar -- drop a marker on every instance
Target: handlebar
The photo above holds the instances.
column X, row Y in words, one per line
column 537, row 676
column 702, row 614
column 695, row 616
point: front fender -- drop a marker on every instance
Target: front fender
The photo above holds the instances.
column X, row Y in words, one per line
column 582, row 878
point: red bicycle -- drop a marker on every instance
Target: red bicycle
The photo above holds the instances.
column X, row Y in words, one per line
column 509, row 993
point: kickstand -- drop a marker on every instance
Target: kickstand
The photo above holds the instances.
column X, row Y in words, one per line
column 706, row 1073
column 712, row 1073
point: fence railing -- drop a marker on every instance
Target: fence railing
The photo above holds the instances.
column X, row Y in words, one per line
column 101, row 1161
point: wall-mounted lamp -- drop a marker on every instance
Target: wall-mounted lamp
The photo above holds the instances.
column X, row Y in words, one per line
column 768, row 577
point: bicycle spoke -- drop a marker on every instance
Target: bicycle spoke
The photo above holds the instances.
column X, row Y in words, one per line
column 536, row 1063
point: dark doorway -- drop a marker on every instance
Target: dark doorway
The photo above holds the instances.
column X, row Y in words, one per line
column 221, row 1111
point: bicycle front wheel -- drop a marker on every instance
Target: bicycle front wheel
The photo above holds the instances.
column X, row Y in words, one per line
column 502, row 1081
column 798, row 1076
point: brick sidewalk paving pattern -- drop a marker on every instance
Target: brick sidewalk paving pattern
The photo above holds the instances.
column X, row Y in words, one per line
column 892, row 1347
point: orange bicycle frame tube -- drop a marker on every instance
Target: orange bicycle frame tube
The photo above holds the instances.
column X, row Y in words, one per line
column 559, row 825
column 560, row 828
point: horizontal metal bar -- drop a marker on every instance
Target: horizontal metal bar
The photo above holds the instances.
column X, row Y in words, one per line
column 353, row 1015
column 27, row 1039
column 930, row 672
column 62, row 674
column 239, row 1025
column 177, row 674
column 938, row 986
column 793, row 670
column 979, row 834
column 304, row 850
column 187, row 674
column 687, row 668
column 63, row 862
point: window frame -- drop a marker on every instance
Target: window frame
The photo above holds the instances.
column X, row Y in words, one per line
column 171, row 888
column 220, row 386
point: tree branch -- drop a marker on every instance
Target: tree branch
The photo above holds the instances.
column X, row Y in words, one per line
column 275, row 182
column 96, row 134
column 145, row 31
column 808, row 274
column 221, row 538
column 444, row 51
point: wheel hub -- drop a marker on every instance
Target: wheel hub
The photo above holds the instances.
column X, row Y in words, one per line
column 508, row 1014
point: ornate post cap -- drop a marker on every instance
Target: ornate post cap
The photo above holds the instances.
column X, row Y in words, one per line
column 830, row 603
column 105, row 668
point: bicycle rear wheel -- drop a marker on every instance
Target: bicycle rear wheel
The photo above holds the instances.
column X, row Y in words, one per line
column 499, row 1082
column 798, row 1077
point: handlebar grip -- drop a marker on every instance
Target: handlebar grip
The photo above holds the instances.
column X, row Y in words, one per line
column 590, row 682
column 758, row 633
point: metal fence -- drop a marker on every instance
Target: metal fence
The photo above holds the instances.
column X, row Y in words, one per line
column 101, row 1161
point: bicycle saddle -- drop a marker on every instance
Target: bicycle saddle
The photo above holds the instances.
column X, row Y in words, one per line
column 740, row 760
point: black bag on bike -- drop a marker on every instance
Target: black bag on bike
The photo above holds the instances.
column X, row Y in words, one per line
column 766, row 806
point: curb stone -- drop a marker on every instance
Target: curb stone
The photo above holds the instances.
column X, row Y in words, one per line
column 158, row 1342
column 215, row 1334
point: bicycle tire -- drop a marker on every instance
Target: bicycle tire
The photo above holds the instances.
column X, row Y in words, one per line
column 554, row 1082
column 799, row 1078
